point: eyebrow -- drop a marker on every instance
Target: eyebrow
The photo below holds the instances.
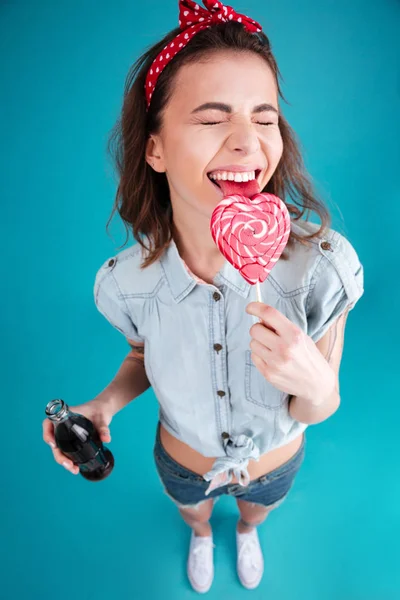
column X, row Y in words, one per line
column 228, row 109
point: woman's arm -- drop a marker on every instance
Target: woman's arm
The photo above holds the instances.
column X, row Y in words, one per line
column 130, row 381
column 331, row 347
column 331, row 344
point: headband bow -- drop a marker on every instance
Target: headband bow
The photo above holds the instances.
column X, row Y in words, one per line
column 192, row 19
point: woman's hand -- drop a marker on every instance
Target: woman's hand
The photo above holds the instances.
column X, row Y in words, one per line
column 98, row 410
column 286, row 356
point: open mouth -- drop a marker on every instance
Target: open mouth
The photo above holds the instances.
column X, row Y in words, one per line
column 217, row 183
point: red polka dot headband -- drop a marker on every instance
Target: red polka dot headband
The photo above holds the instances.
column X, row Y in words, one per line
column 192, row 19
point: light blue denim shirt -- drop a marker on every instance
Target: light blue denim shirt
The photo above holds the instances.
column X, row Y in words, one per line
column 197, row 340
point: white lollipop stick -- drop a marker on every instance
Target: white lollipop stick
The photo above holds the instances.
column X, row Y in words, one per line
column 259, row 299
column 258, row 292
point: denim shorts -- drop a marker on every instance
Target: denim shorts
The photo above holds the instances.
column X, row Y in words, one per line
column 187, row 488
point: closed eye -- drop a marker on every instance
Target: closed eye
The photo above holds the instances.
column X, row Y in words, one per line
column 220, row 122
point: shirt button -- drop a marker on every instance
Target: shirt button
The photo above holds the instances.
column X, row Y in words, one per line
column 224, row 435
column 216, row 296
column 221, row 393
column 326, row 246
column 217, row 347
column 111, row 262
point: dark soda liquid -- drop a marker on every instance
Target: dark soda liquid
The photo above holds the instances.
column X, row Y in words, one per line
column 78, row 439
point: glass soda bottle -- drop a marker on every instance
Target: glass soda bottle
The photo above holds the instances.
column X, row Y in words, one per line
column 77, row 438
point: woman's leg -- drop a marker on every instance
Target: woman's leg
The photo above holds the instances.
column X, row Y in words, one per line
column 198, row 518
column 251, row 515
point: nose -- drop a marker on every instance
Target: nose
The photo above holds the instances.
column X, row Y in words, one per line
column 244, row 139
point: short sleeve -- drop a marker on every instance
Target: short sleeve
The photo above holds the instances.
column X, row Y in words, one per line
column 112, row 305
column 337, row 283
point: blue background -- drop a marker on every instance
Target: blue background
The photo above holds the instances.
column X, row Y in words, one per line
column 63, row 67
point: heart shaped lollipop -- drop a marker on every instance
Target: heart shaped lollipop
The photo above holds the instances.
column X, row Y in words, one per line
column 251, row 234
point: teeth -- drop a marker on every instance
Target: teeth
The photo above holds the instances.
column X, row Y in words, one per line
column 230, row 176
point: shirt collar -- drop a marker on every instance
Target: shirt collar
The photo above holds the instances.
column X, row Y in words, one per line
column 181, row 282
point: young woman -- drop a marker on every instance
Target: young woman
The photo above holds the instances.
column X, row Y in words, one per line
column 202, row 107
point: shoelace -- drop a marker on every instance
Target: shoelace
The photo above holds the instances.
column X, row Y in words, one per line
column 200, row 552
column 246, row 551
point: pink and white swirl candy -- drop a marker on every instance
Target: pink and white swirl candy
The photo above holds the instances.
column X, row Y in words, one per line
column 251, row 234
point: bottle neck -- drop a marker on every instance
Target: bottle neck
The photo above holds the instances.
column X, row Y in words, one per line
column 57, row 410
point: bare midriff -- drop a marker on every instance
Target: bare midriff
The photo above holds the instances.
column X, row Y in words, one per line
column 193, row 460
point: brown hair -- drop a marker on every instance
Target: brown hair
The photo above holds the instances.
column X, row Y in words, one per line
column 142, row 197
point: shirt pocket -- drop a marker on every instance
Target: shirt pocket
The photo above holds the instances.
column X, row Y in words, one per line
column 258, row 390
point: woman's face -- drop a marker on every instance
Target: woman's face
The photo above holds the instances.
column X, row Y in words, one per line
column 194, row 142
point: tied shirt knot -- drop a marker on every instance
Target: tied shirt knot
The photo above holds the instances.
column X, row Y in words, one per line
column 239, row 450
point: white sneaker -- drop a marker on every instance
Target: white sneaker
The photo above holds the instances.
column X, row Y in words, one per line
column 200, row 564
column 250, row 561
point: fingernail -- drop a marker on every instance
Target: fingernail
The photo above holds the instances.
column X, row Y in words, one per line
column 52, row 444
column 66, row 465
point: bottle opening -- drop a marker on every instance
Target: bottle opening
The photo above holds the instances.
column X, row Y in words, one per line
column 56, row 409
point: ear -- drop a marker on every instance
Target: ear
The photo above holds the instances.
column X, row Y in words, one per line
column 154, row 154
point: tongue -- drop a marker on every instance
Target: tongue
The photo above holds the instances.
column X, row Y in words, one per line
column 245, row 188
